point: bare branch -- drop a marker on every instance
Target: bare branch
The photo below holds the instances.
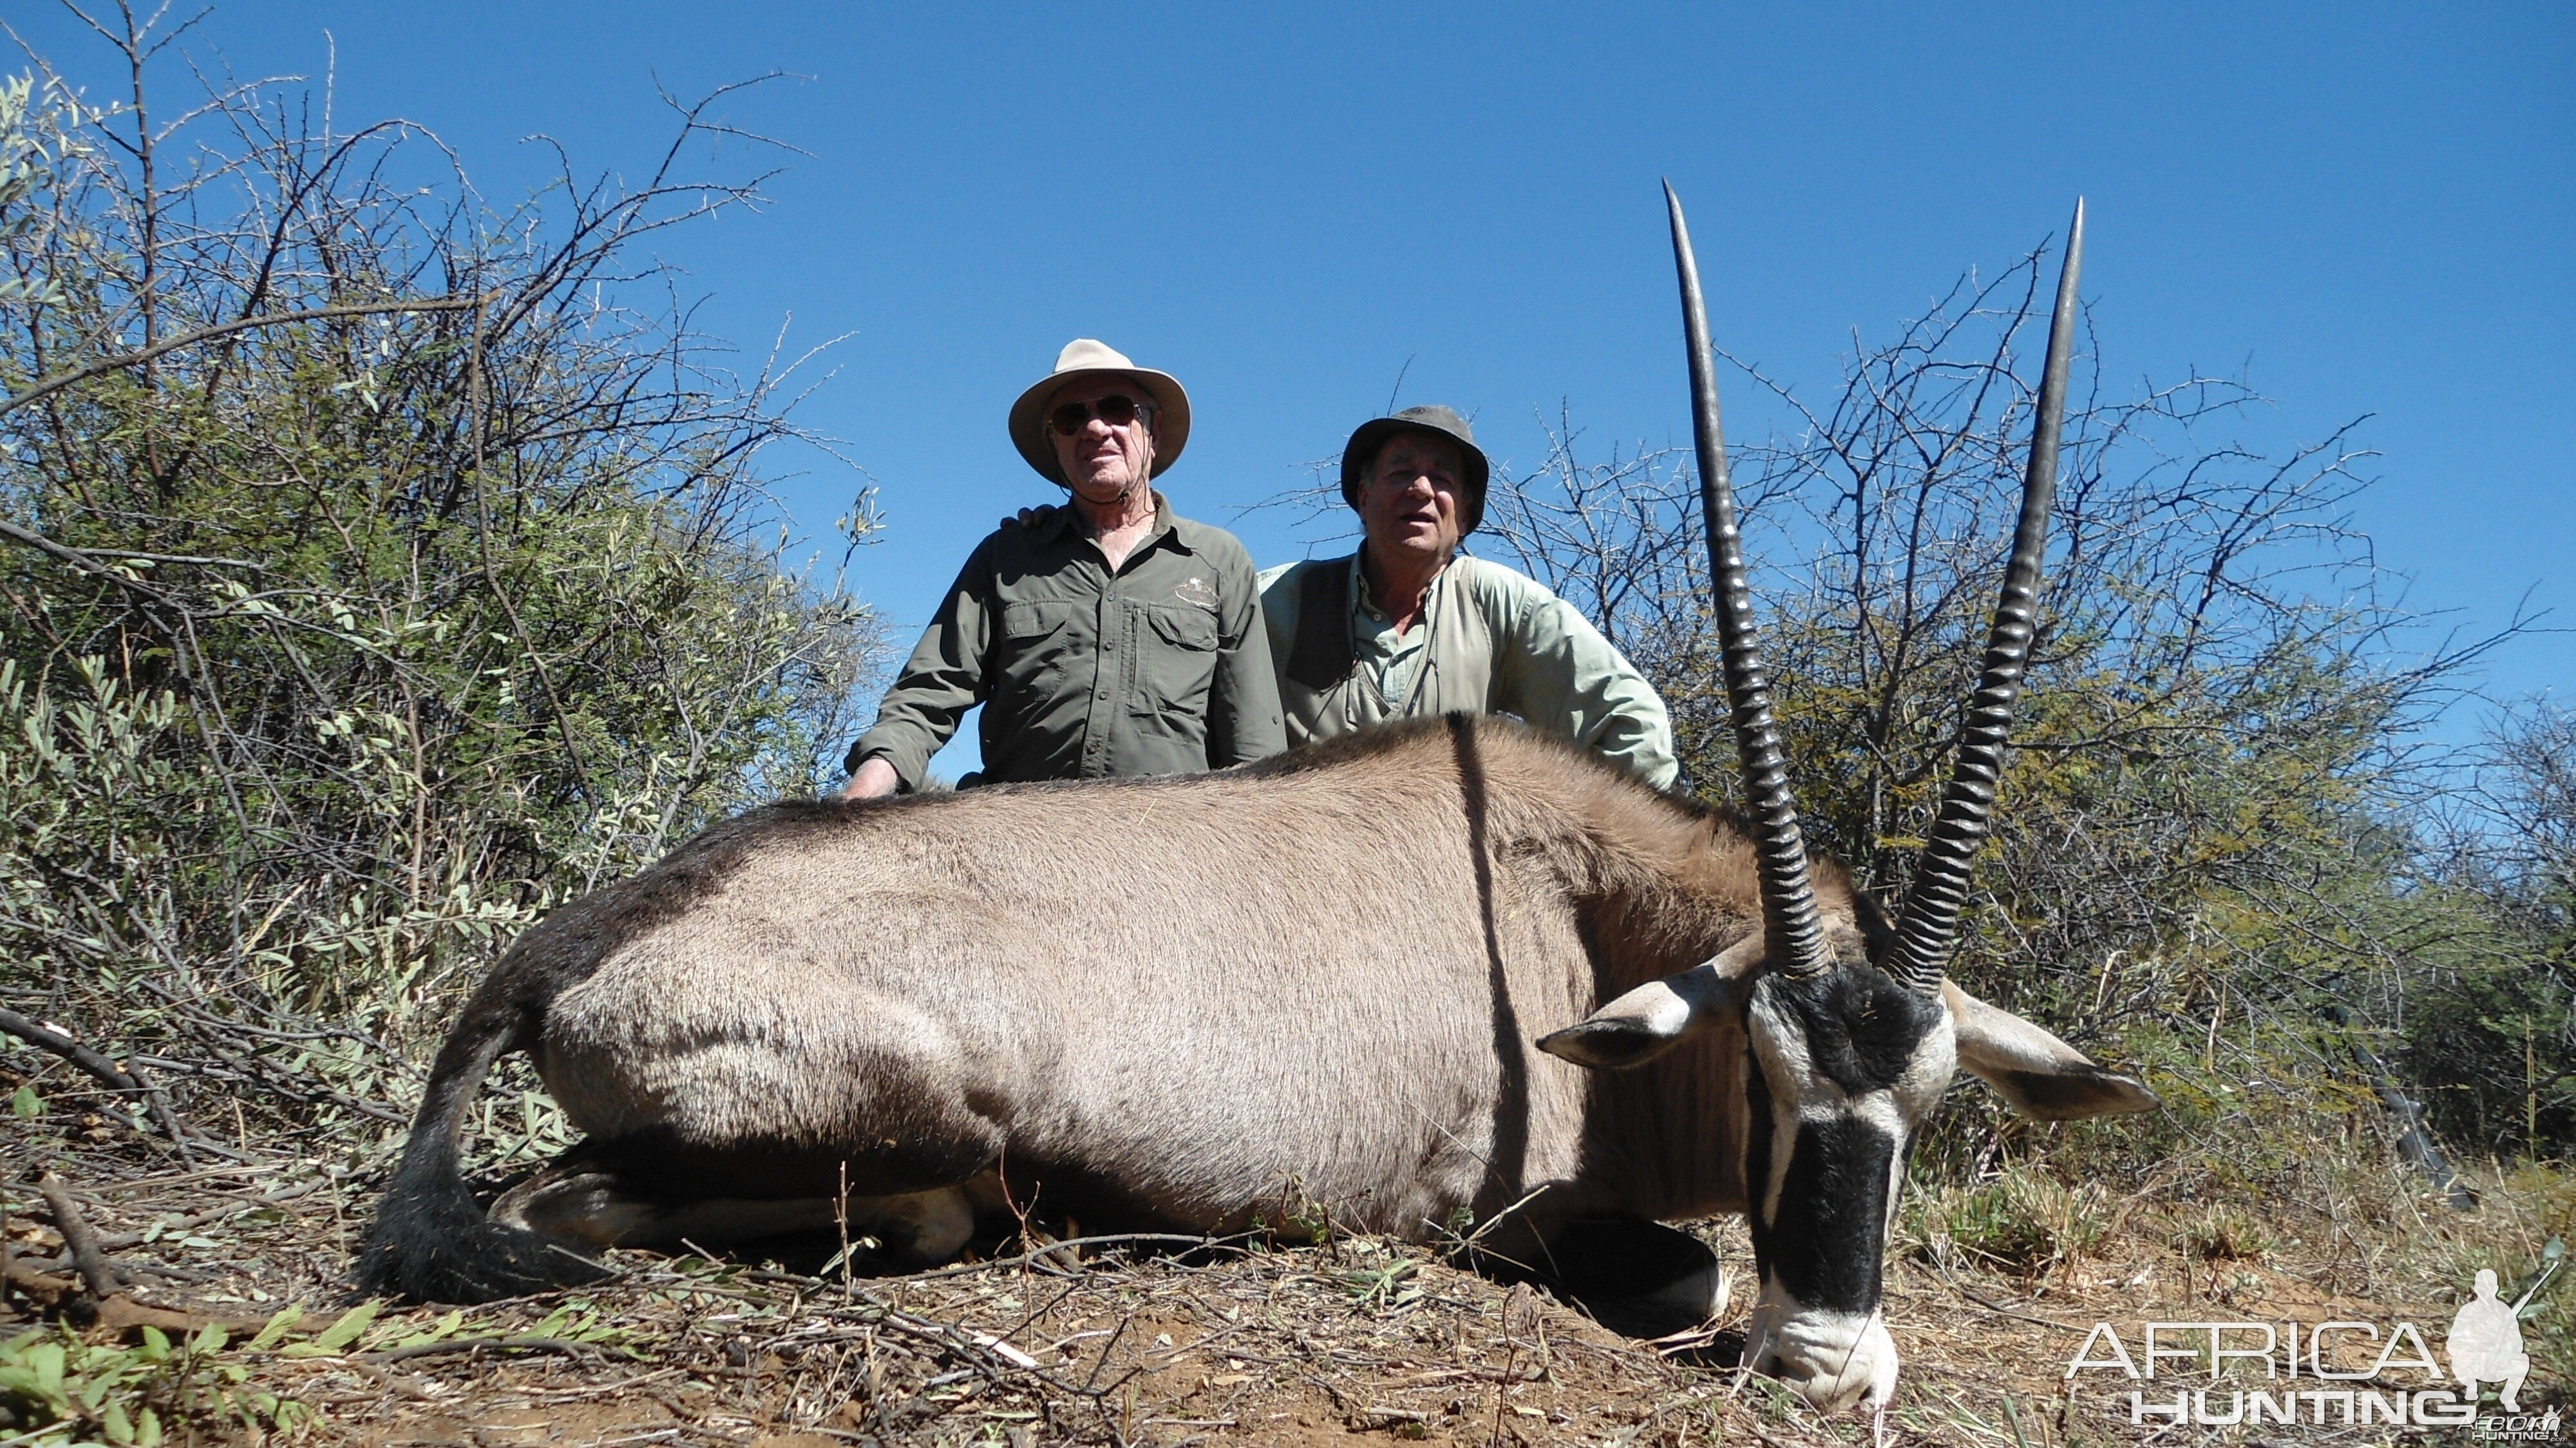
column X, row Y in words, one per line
column 168, row 345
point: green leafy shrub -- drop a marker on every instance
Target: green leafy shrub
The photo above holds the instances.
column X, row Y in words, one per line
column 371, row 580
column 56, row 1387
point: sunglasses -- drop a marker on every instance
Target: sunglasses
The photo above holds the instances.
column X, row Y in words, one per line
column 1117, row 410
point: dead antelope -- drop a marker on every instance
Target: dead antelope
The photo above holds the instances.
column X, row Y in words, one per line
column 1162, row 1003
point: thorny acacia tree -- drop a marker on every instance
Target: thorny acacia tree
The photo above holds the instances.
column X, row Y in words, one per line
column 2203, row 837
column 372, row 573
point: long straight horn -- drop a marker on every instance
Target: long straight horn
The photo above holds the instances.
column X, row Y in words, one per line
column 1796, row 938
column 1930, row 921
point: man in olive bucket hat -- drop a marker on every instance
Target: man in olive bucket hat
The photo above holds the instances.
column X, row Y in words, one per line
column 1407, row 627
column 1106, row 638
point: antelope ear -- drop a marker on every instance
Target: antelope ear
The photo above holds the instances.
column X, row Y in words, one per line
column 1661, row 1014
column 2039, row 1074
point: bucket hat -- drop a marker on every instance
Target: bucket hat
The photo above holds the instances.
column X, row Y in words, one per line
column 1436, row 420
column 1083, row 357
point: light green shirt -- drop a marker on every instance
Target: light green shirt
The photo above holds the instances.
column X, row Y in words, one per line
column 1490, row 641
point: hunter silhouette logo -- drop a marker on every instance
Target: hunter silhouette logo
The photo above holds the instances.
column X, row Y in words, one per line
column 2486, row 1342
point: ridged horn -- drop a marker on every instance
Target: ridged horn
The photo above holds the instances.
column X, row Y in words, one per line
column 1795, row 935
column 1929, row 923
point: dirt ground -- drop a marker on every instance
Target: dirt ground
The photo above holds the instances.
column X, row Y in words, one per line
column 1343, row 1343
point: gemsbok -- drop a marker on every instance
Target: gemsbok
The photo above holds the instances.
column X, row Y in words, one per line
column 1446, row 972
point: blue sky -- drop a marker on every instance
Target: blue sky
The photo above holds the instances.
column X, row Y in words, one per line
column 2366, row 208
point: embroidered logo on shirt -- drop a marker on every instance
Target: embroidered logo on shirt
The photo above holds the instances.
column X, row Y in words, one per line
column 1197, row 590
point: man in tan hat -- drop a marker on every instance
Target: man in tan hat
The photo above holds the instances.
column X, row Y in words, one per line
column 1110, row 637
column 1406, row 627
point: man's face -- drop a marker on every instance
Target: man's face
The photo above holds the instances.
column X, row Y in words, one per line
column 1409, row 507
column 1103, row 460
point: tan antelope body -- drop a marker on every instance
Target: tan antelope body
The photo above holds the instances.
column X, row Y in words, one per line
column 1441, row 973
column 1175, row 1000
column 1161, row 1003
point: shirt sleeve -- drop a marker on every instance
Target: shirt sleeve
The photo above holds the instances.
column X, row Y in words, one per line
column 947, row 675
column 1243, row 706
column 1557, row 671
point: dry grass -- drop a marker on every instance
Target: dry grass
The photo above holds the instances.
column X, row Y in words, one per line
column 1991, row 1290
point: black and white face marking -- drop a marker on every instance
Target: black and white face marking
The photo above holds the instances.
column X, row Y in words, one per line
column 1844, row 1066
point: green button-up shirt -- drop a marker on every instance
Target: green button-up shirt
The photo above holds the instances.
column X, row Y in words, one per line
column 1158, row 667
column 1491, row 640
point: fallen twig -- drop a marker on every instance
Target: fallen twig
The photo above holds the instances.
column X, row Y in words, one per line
column 1945, row 1280
column 95, row 1269
column 156, row 1105
column 241, row 1205
column 524, row 1343
column 120, row 1313
column 44, row 1037
column 124, row 1270
column 44, row 1288
column 1050, row 1249
column 247, row 1168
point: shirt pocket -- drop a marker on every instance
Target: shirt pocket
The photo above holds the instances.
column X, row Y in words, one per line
column 1178, row 669
column 1043, row 643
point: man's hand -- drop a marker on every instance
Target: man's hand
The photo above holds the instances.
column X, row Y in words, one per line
column 1032, row 517
column 875, row 780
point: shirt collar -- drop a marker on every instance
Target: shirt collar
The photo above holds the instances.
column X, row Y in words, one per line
column 1064, row 524
column 1362, row 605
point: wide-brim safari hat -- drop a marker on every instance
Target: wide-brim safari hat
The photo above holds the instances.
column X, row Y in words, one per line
column 1439, row 422
column 1083, row 357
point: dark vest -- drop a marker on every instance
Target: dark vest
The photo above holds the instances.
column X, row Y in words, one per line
column 1321, row 655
